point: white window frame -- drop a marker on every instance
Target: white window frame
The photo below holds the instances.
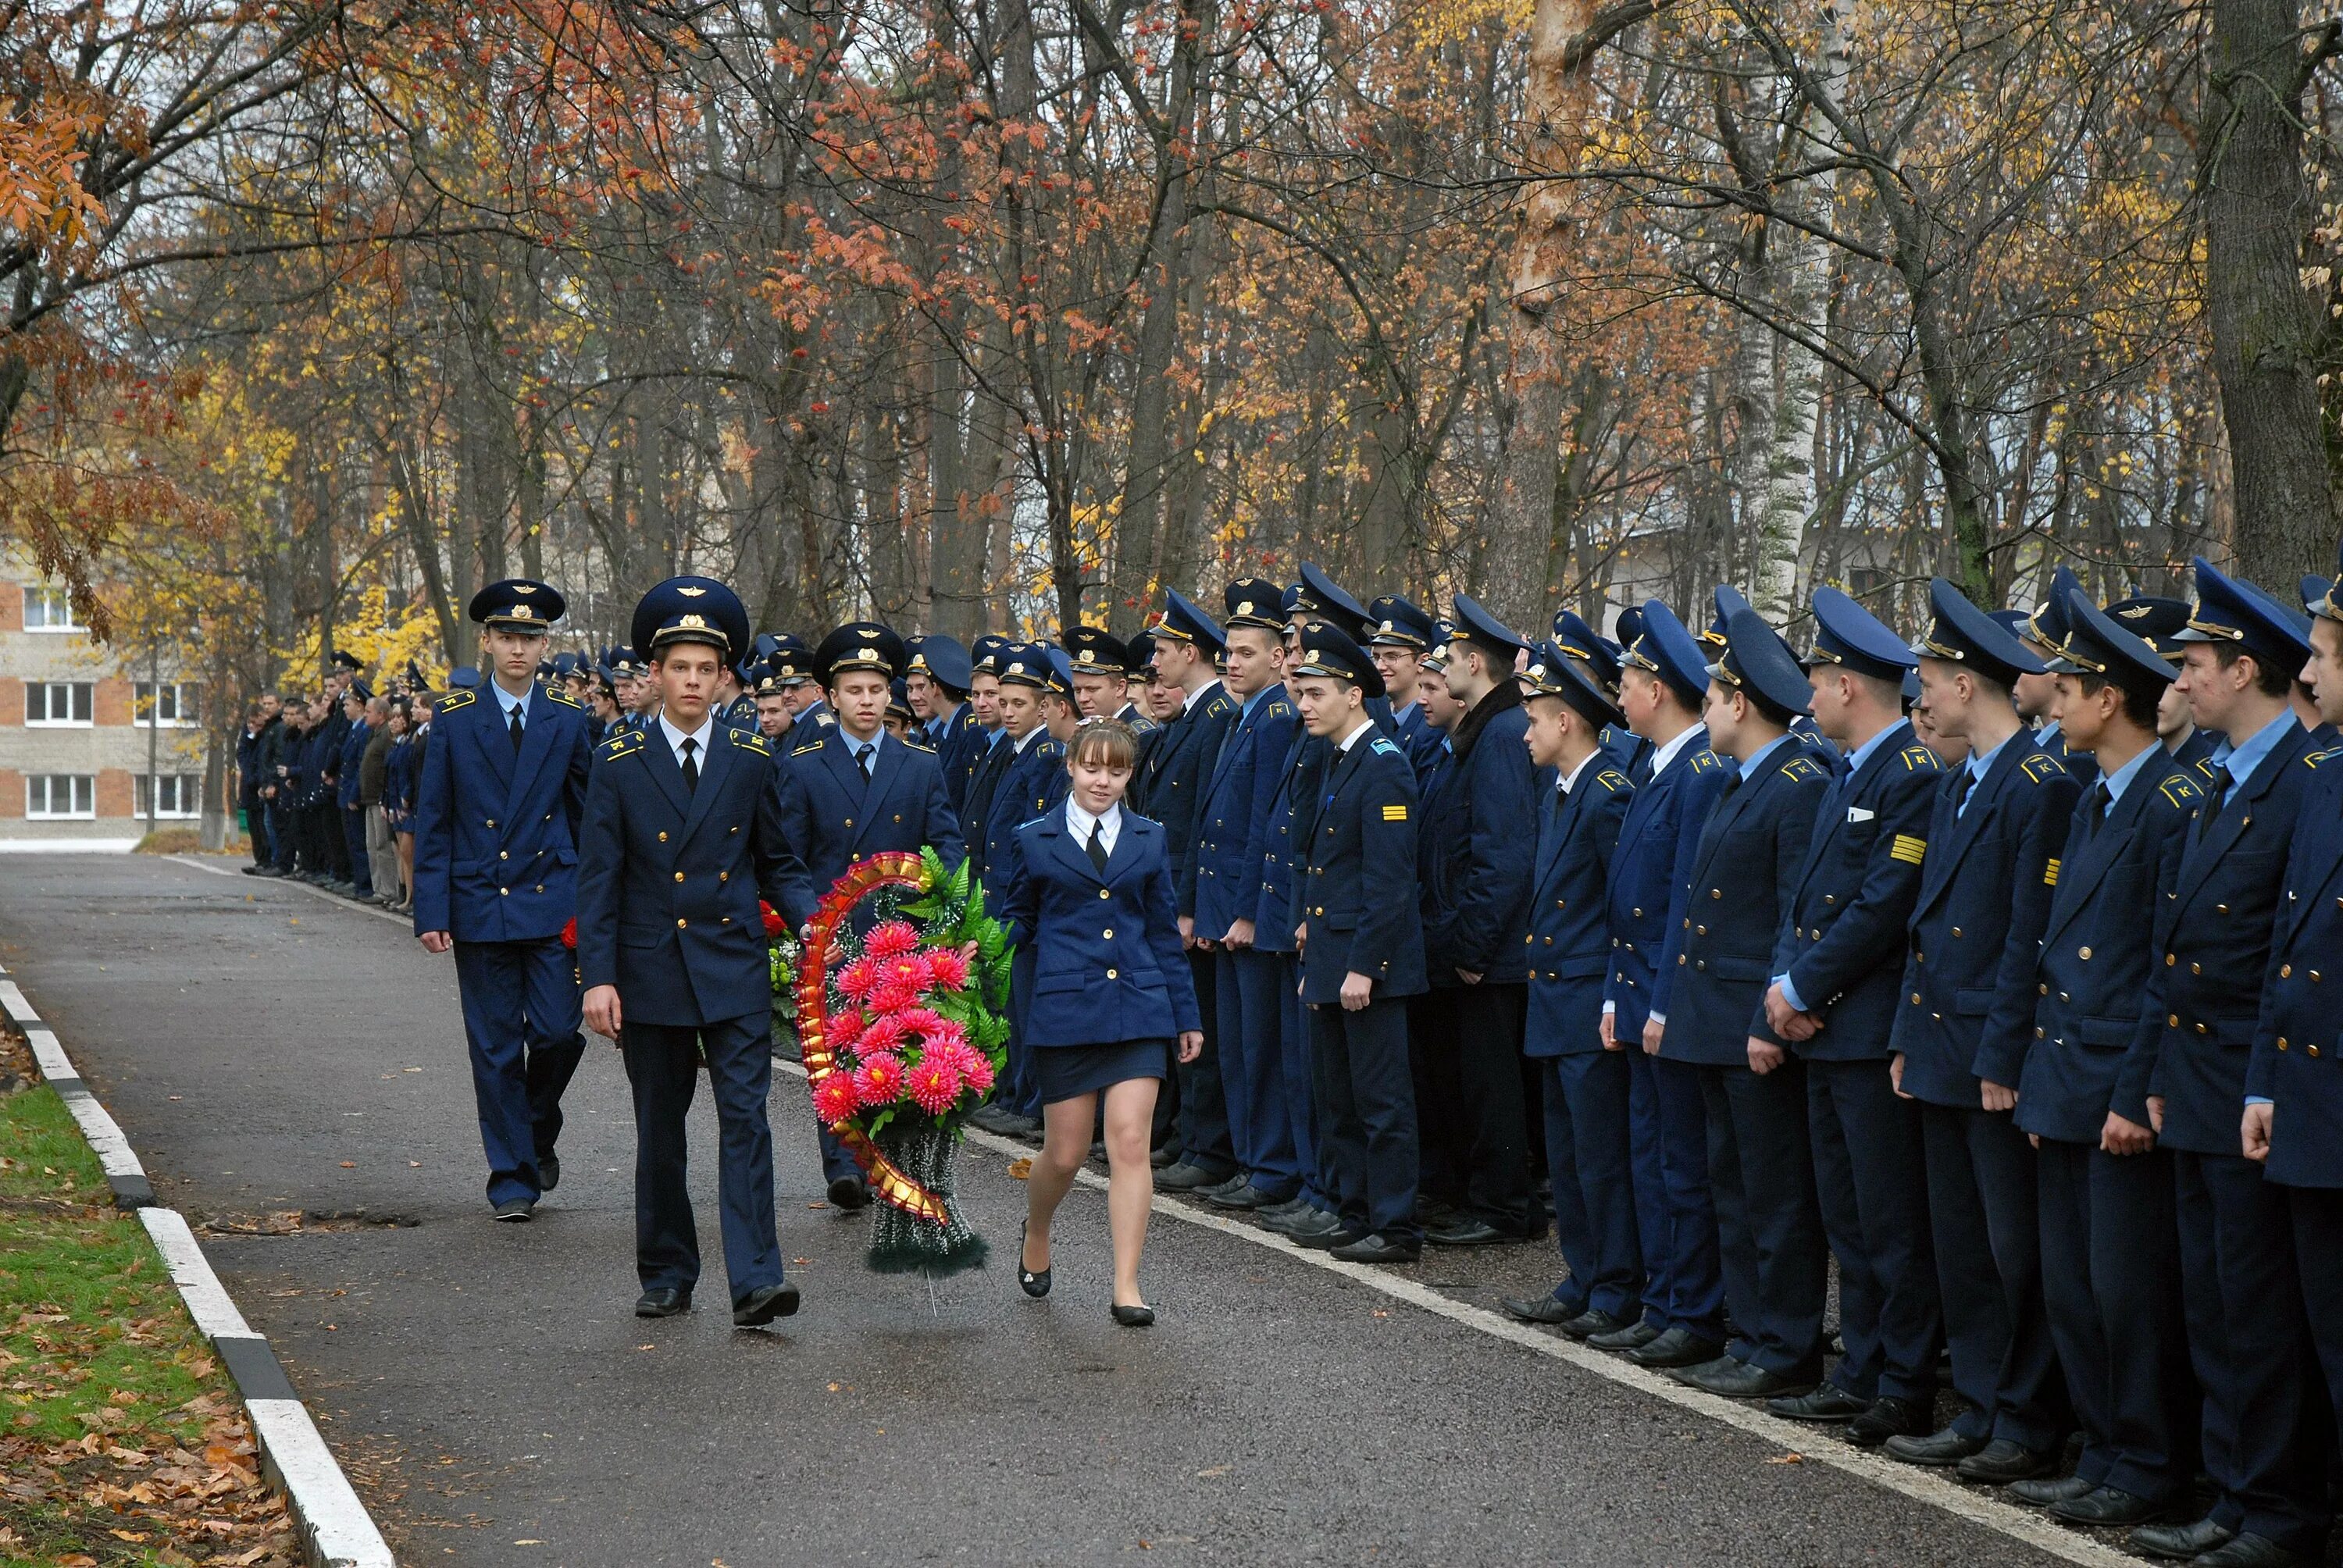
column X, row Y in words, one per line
column 53, row 599
column 36, row 698
column 187, row 789
column 142, row 703
column 39, row 797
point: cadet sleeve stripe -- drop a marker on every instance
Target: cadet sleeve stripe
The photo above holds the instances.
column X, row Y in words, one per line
column 1908, row 849
column 1395, row 813
column 2050, row 873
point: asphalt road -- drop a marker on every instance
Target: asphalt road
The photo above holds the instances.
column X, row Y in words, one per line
column 271, row 1052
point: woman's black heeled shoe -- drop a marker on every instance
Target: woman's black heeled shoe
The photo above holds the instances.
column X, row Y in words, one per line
column 1036, row 1285
column 1133, row 1317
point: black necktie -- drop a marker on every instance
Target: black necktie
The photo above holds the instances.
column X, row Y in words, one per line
column 1968, row 781
column 2094, row 807
column 516, row 729
column 1098, row 847
column 690, row 765
column 2219, row 796
column 862, row 760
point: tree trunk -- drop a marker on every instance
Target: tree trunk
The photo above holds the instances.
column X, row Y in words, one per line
column 2265, row 324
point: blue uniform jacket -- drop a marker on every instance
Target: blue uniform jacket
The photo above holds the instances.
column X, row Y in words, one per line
column 667, row 892
column 1173, row 774
column 496, row 833
column 2214, row 931
column 398, row 779
column 1107, row 966
column 1968, row 991
column 1627, row 751
column 960, row 747
column 2080, row 766
column 1661, row 832
column 345, row 765
column 1034, row 781
column 1845, row 927
column 832, row 819
column 1476, row 828
column 1568, row 945
column 2298, row 1057
column 1357, row 875
column 1751, row 849
column 1279, row 910
column 1234, row 825
column 2093, row 1046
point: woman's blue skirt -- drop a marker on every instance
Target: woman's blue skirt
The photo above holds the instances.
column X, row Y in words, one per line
column 1064, row 1072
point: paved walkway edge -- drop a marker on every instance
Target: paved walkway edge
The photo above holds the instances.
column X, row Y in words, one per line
column 335, row 1530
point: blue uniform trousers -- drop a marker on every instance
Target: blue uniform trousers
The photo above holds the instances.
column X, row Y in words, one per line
column 1872, row 1183
column 1205, row 1139
column 1304, row 1122
column 2111, row 1285
column 522, row 1010
column 354, row 844
column 1983, row 1221
column 1369, row 1103
column 1253, row 1068
column 1586, row 1151
column 663, row 1071
column 2317, row 1213
column 1650, row 1184
column 1769, row 1233
column 1439, row 1103
column 1695, row 1293
column 2266, row 1439
column 283, row 842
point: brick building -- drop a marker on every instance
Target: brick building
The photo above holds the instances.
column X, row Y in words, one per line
column 75, row 728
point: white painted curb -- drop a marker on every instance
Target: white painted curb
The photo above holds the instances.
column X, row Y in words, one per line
column 335, row 1530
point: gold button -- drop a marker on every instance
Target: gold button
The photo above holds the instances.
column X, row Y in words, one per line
column 662, row 835
column 2195, row 969
column 540, row 887
column 2172, row 1020
column 492, row 822
column 728, row 920
column 2281, row 1043
column 1107, row 935
column 2084, row 954
column 503, row 855
column 2200, row 1029
column 1319, row 910
column 679, row 876
column 2286, row 971
column 2220, row 909
column 1639, row 914
column 1679, row 959
column 2037, row 1034
column 849, row 822
column 1701, row 964
column 2312, row 1049
column 1528, row 940
column 1104, row 894
column 1830, row 898
column 1716, row 892
column 2171, row 958
column 502, row 892
column 2046, row 990
column 1916, row 999
column 1956, row 930
column 1560, row 905
column 1700, row 930
column 723, row 876
column 680, row 923
column 1549, row 941
column 1110, row 974
column 2314, row 977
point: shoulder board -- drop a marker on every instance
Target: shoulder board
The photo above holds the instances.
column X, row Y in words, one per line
column 1142, row 724
column 1803, row 767
column 751, row 740
column 2204, row 766
column 617, row 746
column 809, row 746
column 1051, row 746
column 562, row 696
column 1218, row 705
column 1920, row 759
column 1702, row 761
column 825, row 719
column 1277, row 708
column 1032, row 821
column 459, row 698
column 2314, row 758
column 1385, row 745
column 1611, row 779
column 2179, row 791
column 2041, row 768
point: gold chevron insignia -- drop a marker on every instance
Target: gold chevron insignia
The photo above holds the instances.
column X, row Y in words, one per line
column 2050, row 874
column 1395, row 813
column 1908, row 849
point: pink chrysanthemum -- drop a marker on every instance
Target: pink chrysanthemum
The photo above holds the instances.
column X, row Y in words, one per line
column 976, row 1071
column 858, row 979
column 845, row 1027
column 883, row 1033
column 935, row 1085
column 907, row 968
column 947, row 970
column 892, row 997
column 879, row 1080
column 955, row 1048
column 922, row 1022
column 836, row 1098
column 890, row 938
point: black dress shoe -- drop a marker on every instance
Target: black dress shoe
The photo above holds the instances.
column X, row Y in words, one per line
column 662, row 1301
column 849, row 1195
column 1342, row 1235
column 2180, row 1542
column 548, row 1171
column 2042, row 1490
column 1305, row 1222
column 1740, row 1379
column 2005, row 1459
column 1294, row 1205
column 1592, row 1321
column 1887, row 1417
column 1185, row 1177
column 763, row 1305
column 1245, row 1195
column 1372, row 1249
column 1133, row 1317
column 2109, row 1505
column 1015, row 1125
column 1635, row 1336
column 1949, row 1446
column 1035, row 1283
column 1541, row 1309
column 1679, row 1347
column 990, row 1118
column 1466, row 1232
column 1159, row 1158
column 515, row 1211
column 1827, row 1402
column 2247, row 1550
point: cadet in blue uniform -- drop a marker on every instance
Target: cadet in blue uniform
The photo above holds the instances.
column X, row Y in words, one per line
column 1398, row 637
column 2293, row 1114
column 496, row 811
column 1174, row 773
column 2110, row 1266
column 1034, row 698
column 1138, row 680
column 683, row 835
column 1994, row 838
column 1760, row 1165
column 1475, row 897
column 1662, row 682
column 1235, row 822
column 853, row 792
column 1598, row 659
column 1362, row 952
column 960, row 741
column 350, row 816
column 2240, row 1286
column 2044, row 631
column 1838, row 957
column 1584, row 1084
